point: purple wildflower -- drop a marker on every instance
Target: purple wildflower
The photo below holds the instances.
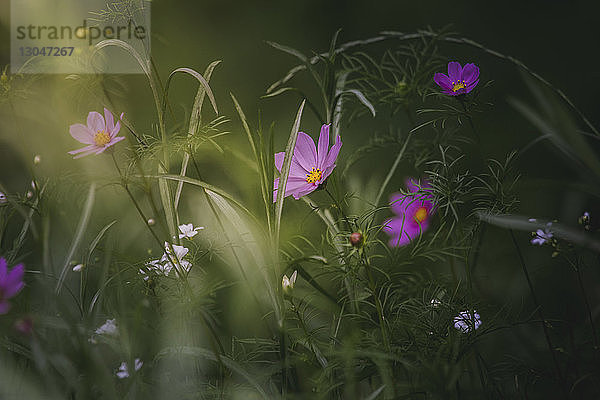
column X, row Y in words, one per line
column 310, row 165
column 459, row 80
column 466, row 321
column 412, row 214
column 99, row 134
column 11, row 283
column 542, row 236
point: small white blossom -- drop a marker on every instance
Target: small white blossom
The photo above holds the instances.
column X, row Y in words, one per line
column 168, row 258
column 288, row 283
column 164, row 265
column 123, row 371
column 466, row 321
column 3, row 199
column 37, row 159
column 108, row 328
column 188, row 231
column 435, row 303
column 78, row 268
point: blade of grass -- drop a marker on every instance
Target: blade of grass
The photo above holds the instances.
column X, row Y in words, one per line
column 285, row 171
column 195, row 121
column 83, row 222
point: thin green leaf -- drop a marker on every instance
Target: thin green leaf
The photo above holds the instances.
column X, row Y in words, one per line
column 285, row 170
column 361, row 97
column 81, row 227
column 288, row 50
column 195, row 121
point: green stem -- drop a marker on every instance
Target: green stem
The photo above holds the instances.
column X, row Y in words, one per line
column 577, row 269
column 373, row 288
column 135, row 203
column 538, row 308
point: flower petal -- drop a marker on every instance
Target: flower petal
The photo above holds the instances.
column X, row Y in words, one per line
column 90, row 148
column 323, row 146
column 333, row 153
column 11, row 291
column 305, row 151
column 95, row 122
column 471, row 86
column 86, row 151
column 398, row 203
column 304, row 189
column 454, row 71
column 110, row 121
column 443, row 81
column 16, row 274
column 395, row 227
column 82, row 133
column 294, row 185
column 4, row 306
column 279, row 157
column 470, row 73
column 326, row 172
column 3, row 270
column 117, row 127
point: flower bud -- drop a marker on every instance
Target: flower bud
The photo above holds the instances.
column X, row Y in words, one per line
column 151, row 221
column 288, row 283
column 585, row 220
column 37, row 159
column 24, row 326
column 356, row 239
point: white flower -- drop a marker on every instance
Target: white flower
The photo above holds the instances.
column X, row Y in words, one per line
column 37, row 159
column 288, row 283
column 3, row 198
column 108, row 328
column 123, row 371
column 78, row 268
column 188, row 231
column 164, row 265
column 435, row 303
column 466, row 321
column 168, row 258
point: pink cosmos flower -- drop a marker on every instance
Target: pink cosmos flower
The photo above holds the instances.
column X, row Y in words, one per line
column 11, row 283
column 412, row 214
column 99, row 134
column 459, row 80
column 311, row 166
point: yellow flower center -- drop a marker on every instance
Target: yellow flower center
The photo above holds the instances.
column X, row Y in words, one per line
column 421, row 214
column 101, row 138
column 458, row 85
column 314, row 175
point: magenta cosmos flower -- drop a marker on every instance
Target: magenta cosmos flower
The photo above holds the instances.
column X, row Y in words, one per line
column 459, row 80
column 310, row 165
column 412, row 213
column 11, row 283
column 99, row 134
